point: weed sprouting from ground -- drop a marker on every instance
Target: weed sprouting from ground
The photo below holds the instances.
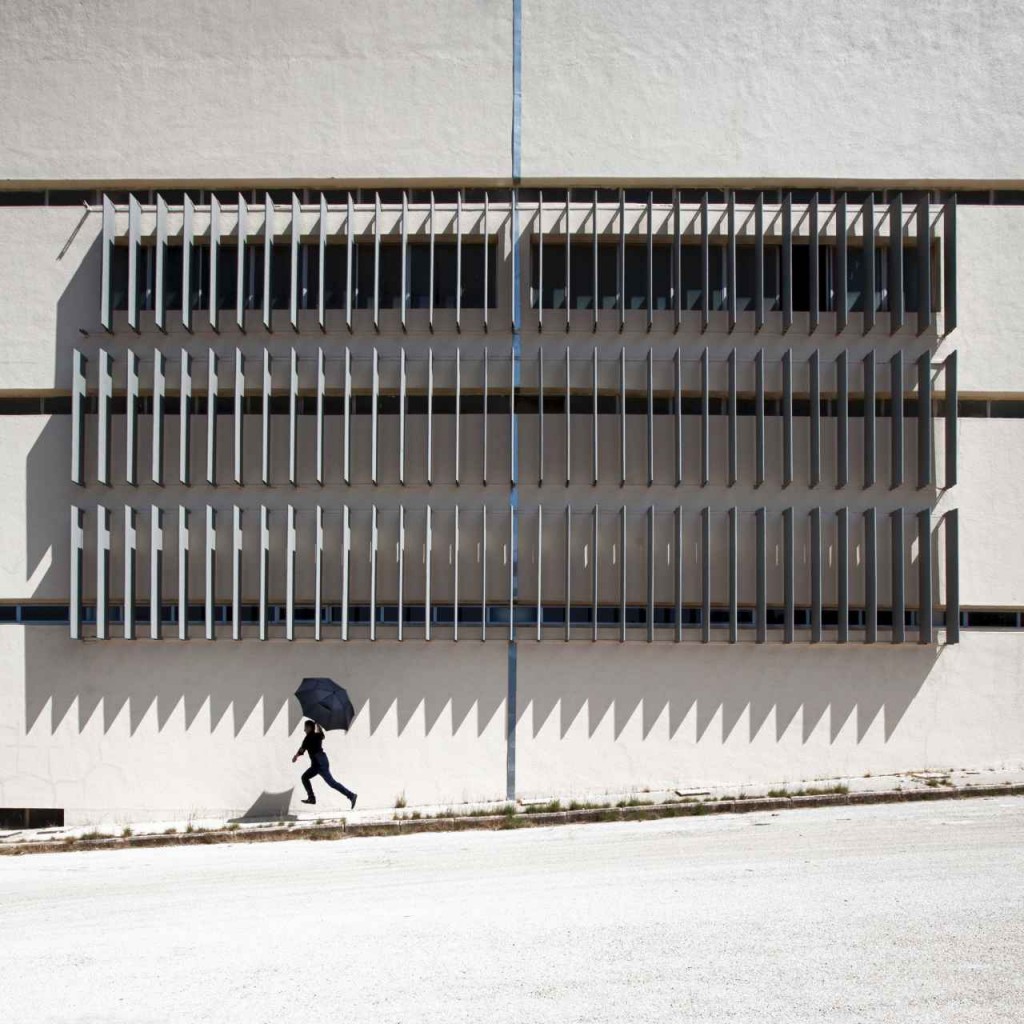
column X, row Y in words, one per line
column 585, row 805
column 836, row 790
column 400, row 801
column 551, row 807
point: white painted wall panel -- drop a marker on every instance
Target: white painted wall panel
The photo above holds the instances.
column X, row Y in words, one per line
column 990, row 496
column 990, row 266
column 417, row 90
column 180, row 730
column 610, row 718
column 669, row 90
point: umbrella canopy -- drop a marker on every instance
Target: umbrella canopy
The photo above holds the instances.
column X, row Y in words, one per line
column 326, row 703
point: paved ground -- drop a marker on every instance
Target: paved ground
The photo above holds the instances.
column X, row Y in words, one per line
column 890, row 913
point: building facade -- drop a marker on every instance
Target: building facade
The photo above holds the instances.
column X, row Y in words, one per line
column 602, row 410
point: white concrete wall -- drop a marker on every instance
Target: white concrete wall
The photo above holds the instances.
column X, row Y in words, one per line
column 991, row 502
column 357, row 92
column 782, row 90
column 612, row 718
column 122, row 732
column 990, row 263
column 908, row 90
column 51, row 268
column 248, row 90
column 130, row 731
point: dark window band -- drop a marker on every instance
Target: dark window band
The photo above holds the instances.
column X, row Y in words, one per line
column 498, row 404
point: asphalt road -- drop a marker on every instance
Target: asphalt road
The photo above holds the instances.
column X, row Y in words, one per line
column 891, row 913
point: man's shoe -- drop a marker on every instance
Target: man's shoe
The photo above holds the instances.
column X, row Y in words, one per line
column 355, row 797
column 308, row 801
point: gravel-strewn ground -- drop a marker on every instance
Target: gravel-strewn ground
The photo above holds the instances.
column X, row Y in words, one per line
column 905, row 913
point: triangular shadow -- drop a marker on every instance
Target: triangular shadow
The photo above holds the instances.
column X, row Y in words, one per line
column 269, row 807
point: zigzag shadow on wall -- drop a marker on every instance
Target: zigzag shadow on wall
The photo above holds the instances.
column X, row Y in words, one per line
column 212, row 683
column 727, row 682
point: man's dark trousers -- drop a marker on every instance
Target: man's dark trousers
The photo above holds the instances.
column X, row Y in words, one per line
column 322, row 767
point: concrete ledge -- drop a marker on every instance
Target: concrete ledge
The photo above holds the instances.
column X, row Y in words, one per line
column 929, row 794
column 885, row 796
column 374, row 828
column 492, row 822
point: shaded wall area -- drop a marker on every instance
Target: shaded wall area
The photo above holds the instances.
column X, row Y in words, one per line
column 622, row 717
column 137, row 731
column 165, row 729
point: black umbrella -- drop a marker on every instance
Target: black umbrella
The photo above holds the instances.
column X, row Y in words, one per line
column 324, row 701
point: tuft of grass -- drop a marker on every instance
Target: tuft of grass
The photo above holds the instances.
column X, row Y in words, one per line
column 936, row 783
column 319, row 821
column 126, row 832
column 190, row 828
column 839, row 788
column 96, row 835
column 70, row 840
column 484, row 812
column 634, row 801
column 414, row 816
column 233, row 827
column 170, row 831
column 400, row 801
column 549, row 808
column 585, row 805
